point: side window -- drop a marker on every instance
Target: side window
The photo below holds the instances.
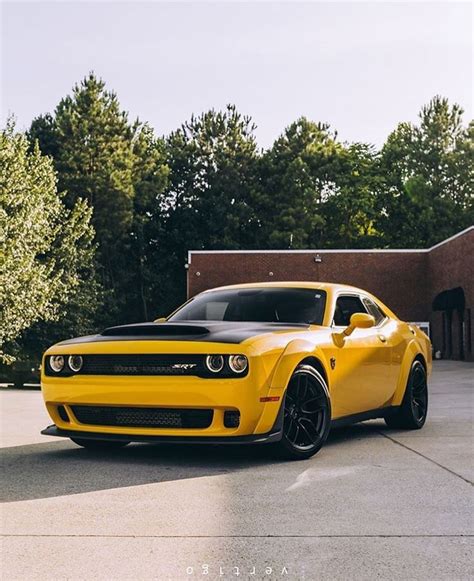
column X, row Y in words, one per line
column 346, row 306
column 374, row 310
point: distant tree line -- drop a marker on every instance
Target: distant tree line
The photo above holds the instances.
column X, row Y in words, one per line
column 97, row 213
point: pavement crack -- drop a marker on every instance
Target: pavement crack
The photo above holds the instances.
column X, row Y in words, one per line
column 425, row 457
column 328, row 536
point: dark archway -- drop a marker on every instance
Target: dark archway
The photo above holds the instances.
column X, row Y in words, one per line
column 452, row 302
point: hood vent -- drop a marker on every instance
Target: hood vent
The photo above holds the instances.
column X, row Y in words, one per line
column 155, row 330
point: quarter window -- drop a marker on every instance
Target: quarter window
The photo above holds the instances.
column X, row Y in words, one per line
column 373, row 310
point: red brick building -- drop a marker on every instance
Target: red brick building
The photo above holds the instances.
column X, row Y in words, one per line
column 434, row 285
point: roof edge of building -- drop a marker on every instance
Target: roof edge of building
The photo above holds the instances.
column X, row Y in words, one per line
column 334, row 250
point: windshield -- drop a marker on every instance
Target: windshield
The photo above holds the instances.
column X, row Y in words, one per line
column 272, row 305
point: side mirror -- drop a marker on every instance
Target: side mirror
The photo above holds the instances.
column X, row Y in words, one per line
column 358, row 321
column 160, row 320
column 361, row 321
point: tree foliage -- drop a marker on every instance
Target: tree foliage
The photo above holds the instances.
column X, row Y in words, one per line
column 117, row 167
column 429, row 170
column 317, row 191
column 296, row 178
column 350, row 212
column 45, row 247
column 90, row 140
column 207, row 202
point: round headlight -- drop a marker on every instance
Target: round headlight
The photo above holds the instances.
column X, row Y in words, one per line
column 56, row 362
column 238, row 363
column 75, row 362
column 215, row 363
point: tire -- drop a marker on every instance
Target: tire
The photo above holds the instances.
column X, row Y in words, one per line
column 307, row 415
column 98, row 444
column 411, row 415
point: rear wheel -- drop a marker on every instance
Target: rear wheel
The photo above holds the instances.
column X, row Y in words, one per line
column 98, row 444
column 411, row 415
column 307, row 414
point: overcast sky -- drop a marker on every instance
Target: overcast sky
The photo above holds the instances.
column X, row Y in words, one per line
column 362, row 67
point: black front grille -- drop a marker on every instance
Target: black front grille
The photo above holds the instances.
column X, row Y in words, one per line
column 144, row 364
column 134, row 417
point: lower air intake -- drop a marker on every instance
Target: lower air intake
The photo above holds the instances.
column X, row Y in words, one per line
column 232, row 419
column 143, row 417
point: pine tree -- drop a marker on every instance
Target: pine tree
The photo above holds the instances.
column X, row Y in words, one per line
column 117, row 167
column 430, row 177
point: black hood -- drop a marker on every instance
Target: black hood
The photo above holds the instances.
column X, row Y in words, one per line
column 209, row 331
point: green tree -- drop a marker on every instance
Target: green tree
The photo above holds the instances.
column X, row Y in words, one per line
column 429, row 169
column 150, row 177
column 90, row 139
column 212, row 171
column 316, row 191
column 91, row 142
column 350, row 212
column 296, row 176
column 45, row 248
column 115, row 165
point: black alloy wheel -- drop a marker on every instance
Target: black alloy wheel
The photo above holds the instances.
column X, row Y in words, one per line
column 411, row 415
column 307, row 414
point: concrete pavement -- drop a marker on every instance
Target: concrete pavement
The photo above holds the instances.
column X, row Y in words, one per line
column 374, row 503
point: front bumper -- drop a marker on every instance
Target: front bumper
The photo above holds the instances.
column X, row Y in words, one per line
column 247, row 395
column 273, row 436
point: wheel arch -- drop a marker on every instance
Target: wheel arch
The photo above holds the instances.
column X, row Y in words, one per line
column 297, row 353
column 421, row 358
column 317, row 364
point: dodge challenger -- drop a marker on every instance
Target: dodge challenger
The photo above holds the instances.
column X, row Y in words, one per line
column 276, row 363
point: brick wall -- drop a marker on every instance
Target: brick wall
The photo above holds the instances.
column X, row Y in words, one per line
column 388, row 275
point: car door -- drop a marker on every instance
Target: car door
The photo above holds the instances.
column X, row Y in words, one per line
column 363, row 377
column 386, row 375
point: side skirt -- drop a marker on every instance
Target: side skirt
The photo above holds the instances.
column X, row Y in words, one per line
column 363, row 416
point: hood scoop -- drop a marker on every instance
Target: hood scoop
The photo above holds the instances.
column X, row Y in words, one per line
column 155, row 330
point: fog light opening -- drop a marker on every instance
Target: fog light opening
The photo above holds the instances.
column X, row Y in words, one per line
column 232, row 418
column 63, row 413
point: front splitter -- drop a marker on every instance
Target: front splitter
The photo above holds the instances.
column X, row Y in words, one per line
column 267, row 438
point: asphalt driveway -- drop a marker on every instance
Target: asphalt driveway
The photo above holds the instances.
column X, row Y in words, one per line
column 373, row 504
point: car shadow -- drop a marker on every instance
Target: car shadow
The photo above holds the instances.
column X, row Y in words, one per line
column 60, row 468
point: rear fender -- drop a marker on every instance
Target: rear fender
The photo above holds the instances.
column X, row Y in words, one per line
column 412, row 351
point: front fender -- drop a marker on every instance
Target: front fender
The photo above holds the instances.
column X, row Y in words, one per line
column 295, row 352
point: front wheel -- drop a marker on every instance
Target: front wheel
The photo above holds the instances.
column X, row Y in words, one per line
column 307, row 414
column 98, row 445
column 411, row 415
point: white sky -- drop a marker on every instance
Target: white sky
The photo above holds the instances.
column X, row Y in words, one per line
column 360, row 66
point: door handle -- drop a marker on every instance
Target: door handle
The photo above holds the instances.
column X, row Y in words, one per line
column 383, row 338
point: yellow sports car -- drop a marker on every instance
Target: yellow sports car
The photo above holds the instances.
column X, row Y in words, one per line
column 277, row 363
